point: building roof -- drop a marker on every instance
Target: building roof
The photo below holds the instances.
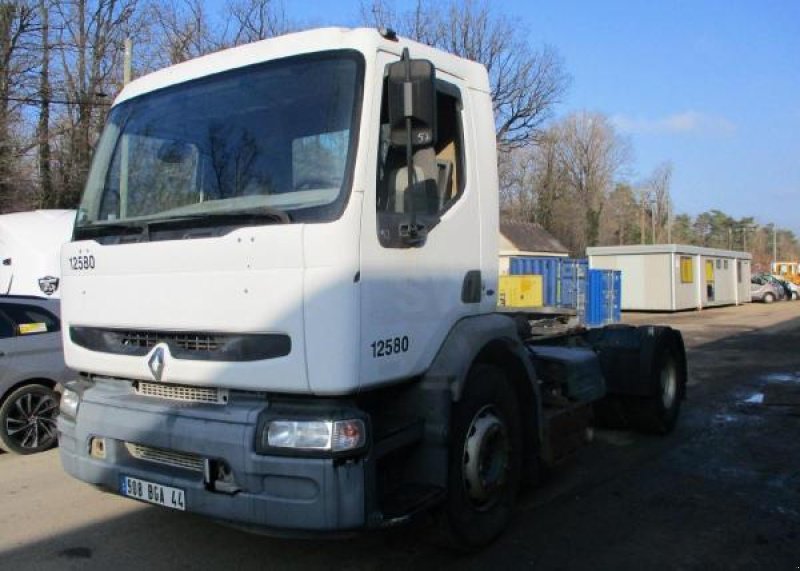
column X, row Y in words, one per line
column 528, row 237
column 666, row 249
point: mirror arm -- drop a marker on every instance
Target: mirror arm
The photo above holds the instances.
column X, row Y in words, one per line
column 413, row 236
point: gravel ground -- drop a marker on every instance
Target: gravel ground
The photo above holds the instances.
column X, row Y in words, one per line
column 721, row 492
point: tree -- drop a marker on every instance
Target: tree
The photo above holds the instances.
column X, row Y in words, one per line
column 46, row 198
column 183, row 30
column 526, row 82
column 658, row 184
column 591, row 155
column 18, row 26
column 618, row 224
column 252, row 20
column 92, row 34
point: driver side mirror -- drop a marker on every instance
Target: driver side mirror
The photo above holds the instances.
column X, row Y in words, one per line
column 412, row 102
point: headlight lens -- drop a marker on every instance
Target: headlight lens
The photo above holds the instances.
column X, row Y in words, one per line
column 70, row 401
column 322, row 435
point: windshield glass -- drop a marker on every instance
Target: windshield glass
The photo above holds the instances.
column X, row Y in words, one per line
column 278, row 136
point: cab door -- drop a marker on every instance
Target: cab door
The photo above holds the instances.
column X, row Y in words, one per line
column 411, row 295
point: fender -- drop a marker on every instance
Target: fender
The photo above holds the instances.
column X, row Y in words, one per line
column 465, row 342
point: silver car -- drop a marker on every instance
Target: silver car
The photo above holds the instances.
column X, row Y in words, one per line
column 31, row 367
column 764, row 290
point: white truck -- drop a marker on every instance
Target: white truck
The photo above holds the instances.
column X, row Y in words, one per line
column 271, row 327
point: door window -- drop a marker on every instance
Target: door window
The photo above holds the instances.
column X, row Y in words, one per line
column 438, row 173
column 7, row 329
column 30, row 320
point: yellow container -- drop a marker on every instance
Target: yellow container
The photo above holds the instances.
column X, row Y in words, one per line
column 520, row 291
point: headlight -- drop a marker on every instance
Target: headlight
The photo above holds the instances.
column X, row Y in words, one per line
column 70, row 401
column 321, row 435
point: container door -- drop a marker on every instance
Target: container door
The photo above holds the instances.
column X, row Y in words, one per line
column 710, row 280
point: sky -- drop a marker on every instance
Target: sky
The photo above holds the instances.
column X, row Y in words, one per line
column 711, row 86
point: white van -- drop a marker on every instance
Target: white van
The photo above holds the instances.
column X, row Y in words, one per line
column 30, row 245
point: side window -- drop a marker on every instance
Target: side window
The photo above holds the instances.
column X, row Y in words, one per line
column 687, row 270
column 438, row 174
column 739, row 271
column 6, row 327
column 30, row 320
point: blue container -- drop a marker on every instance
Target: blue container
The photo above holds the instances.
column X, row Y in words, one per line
column 548, row 268
column 572, row 283
column 604, row 289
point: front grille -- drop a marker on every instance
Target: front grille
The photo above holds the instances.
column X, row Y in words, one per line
column 183, row 393
column 167, row 457
column 186, row 341
column 191, row 345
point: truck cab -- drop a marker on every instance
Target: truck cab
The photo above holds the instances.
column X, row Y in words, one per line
column 278, row 299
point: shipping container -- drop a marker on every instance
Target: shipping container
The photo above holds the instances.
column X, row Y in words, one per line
column 603, row 293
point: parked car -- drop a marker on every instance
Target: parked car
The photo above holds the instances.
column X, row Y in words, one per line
column 791, row 289
column 31, row 368
column 764, row 290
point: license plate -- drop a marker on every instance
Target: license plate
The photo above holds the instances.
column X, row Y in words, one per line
column 153, row 493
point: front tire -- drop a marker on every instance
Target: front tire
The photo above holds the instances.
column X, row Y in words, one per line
column 28, row 420
column 485, row 460
column 769, row 298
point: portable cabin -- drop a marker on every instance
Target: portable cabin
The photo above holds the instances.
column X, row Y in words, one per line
column 674, row 277
column 30, row 250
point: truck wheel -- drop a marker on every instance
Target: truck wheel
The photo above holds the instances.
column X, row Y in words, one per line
column 28, row 420
column 485, row 460
column 659, row 413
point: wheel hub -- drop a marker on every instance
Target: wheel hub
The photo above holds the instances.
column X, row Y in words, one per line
column 31, row 421
column 485, row 458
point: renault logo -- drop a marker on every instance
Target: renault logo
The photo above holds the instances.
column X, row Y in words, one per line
column 156, row 363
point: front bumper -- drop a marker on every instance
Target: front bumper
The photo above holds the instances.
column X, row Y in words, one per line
column 306, row 494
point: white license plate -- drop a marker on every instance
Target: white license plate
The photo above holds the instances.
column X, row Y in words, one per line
column 154, row 493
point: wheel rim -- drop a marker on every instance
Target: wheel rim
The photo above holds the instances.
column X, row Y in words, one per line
column 486, row 456
column 30, row 422
column 669, row 384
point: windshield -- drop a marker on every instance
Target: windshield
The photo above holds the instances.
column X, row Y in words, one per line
column 278, row 136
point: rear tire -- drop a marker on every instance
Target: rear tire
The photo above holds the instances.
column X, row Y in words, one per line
column 659, row 413
column 794, row 296
column 485, row 460
column 28, row 420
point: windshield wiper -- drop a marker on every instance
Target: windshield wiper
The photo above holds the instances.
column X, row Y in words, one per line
column 243, row 217
column 111, row 228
